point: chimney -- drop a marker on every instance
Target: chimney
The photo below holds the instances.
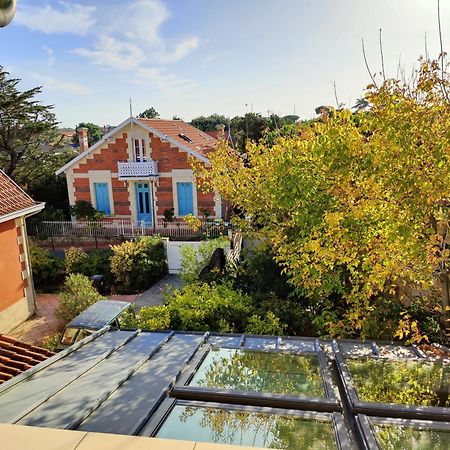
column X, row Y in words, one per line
column 83, row 138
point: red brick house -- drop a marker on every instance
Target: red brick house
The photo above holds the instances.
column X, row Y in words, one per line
column 16, row 286
column 140, row 169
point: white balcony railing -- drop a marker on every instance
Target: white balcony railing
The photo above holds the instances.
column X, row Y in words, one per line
column 136, row 170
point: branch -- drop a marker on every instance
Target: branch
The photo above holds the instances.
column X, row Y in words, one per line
column 442, row 55
column 367, row 64
column 382, row 58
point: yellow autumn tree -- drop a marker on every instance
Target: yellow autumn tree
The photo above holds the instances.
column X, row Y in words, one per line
column 354, row 205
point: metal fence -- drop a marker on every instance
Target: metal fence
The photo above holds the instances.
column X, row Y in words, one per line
column 128, row 229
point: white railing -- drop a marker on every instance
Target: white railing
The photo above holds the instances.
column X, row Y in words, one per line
column 134, row 170
column 128, row 229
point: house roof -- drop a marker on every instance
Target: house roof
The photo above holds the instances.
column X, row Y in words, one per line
column 13, row 200
column 17, row 357
column 132, row 382
column 184, row 133
column 168, row 130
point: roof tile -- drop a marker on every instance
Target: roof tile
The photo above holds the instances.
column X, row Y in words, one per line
column 197, row 140
column 16, row 357
column 12, row 198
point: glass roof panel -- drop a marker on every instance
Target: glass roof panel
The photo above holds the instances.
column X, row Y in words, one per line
column 409, row 382
column 399, row 438
column 225, row 426
column 247, row 370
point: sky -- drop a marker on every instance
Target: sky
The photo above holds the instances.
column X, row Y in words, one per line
column 198, row 57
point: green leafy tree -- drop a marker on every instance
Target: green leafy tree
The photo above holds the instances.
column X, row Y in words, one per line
column 95, row 133
column 355, row 206
column 149, row 113
column 209, row 123
column 26, row 126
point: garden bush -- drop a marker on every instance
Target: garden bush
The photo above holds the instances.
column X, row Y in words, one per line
column 78, row 294
column 48, row 270
column 96, row 262
column 208, row 307
column 194, row 259
column 76, row 260
column 136, row 265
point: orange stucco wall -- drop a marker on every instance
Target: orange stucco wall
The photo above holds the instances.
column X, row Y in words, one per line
column 11, row 283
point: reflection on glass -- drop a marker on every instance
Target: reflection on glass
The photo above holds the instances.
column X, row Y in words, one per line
column 404, row 382
column 400, row 438
column 244, row 428
column 246, row 370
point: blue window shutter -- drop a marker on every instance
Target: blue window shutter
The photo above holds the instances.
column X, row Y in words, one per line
column 102, row 198
column 185, row 199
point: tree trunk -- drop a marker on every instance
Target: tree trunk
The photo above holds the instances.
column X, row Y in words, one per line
column 445, row 296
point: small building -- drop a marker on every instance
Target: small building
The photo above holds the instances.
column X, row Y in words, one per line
column 140, row 169
column 16, row 287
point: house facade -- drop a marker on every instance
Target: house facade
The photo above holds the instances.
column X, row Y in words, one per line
column 17, row 301
column 140, row 169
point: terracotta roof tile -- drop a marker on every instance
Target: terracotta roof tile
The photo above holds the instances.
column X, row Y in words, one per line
column 196, row 140
column 16, row 357
column 12, row 197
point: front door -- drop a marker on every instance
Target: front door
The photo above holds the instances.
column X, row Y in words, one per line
column 144, row 203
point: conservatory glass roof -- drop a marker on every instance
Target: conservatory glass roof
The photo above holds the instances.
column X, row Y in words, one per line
column 263, row 391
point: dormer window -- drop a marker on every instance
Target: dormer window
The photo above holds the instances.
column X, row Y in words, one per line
column 139, row 150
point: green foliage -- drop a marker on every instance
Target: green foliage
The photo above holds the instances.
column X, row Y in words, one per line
column 209, row 123
column 270, row 324
column 78, row 294
column 48, row 271
column 353, row 205
column 26, row 125
column 95, row 133
column 84, row 210
column 169, row 215
column 194, row 259
column 212, row 307
column 149, row 113
column 75, row 260
column 136, row 265
column 51, row 342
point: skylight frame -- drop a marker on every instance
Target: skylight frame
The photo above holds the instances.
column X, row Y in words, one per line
column 367, row 434
column 329, row 403
column 392, row 410
column 336, row 419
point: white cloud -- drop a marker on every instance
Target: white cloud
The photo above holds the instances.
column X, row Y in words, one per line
column 180, row 51
column 113, row 53
column 66, row 18
column 54, row 84
column 51, row 61
column 160, row 78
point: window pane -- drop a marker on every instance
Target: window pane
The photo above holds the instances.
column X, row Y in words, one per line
column 245, row 428
column 400, row 438
column 246, row 370
column 403, row 382
column 69, row 336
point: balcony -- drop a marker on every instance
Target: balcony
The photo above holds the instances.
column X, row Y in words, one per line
column 137, row 170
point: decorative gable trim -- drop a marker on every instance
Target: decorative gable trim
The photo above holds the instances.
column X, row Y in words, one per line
column 132, row 120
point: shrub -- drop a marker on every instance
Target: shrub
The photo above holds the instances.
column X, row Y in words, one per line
column 271, row 324
column 85, row 211
column 194, row 259
column 78, row 295
column 48, row 271
column 137, row 265
column 51, row 342
column 76, row 260
column 208, row 307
